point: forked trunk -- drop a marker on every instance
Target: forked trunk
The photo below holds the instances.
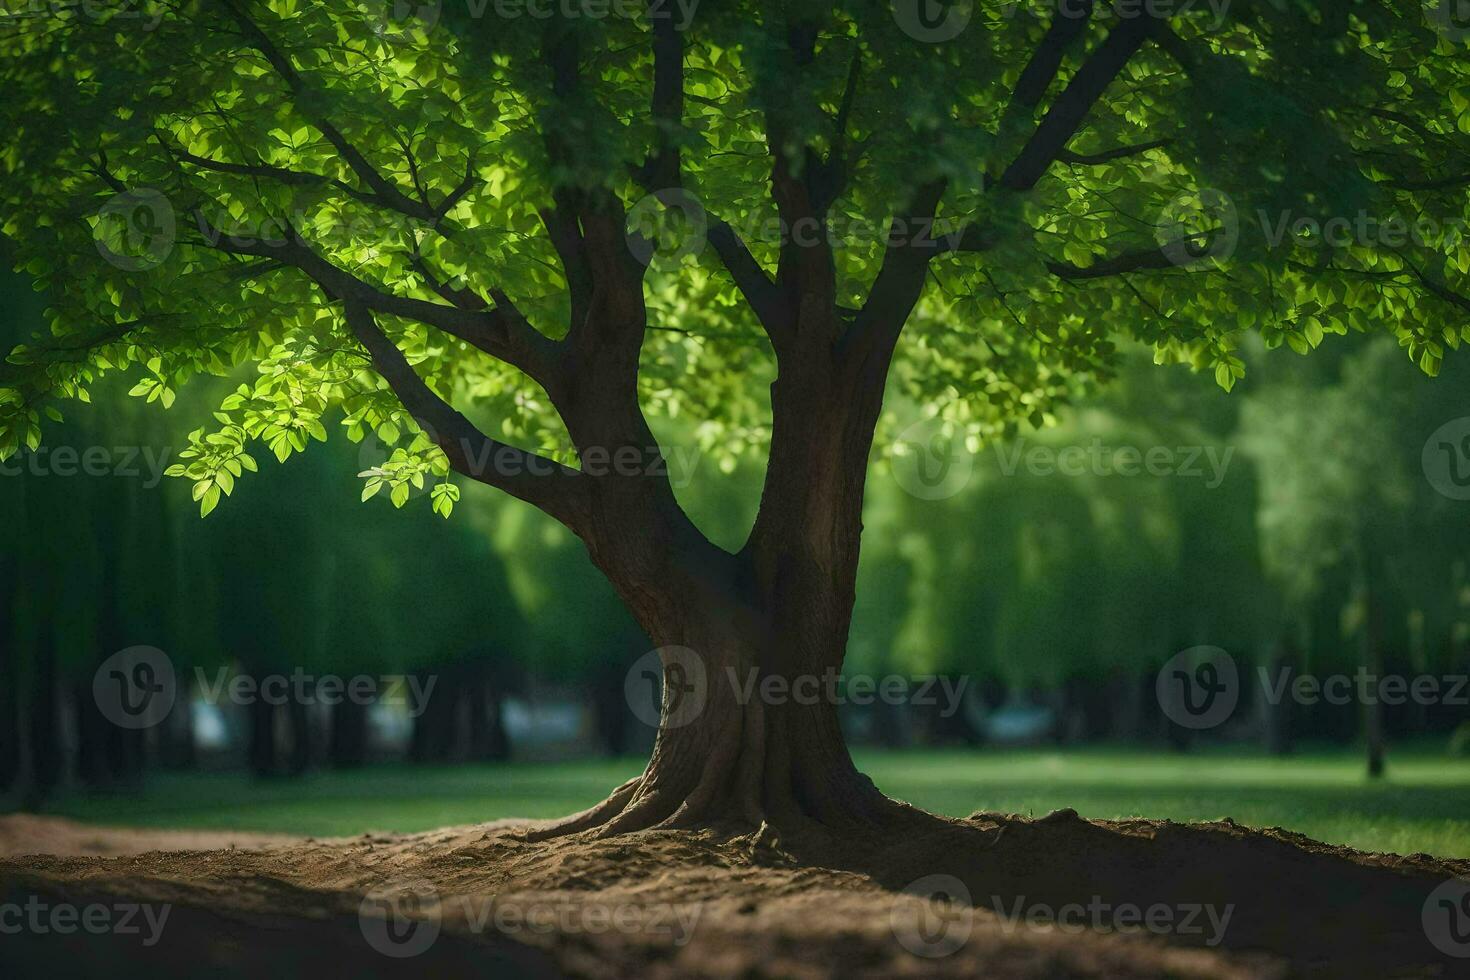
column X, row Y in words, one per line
column 752, row 644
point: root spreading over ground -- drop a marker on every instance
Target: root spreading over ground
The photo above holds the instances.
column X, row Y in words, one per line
column 976, row 897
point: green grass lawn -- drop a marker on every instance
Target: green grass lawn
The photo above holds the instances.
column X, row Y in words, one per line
column 1422, row 805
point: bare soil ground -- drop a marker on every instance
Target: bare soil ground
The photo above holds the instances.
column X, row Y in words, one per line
column 952, row 898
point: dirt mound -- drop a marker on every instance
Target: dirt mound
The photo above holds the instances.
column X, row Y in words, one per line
column 992, row 896
column 22, row 833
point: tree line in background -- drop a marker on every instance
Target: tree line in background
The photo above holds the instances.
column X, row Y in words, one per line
column 1295, row 526
column 1296, row 530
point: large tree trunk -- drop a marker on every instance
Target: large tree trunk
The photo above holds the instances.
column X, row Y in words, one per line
column 752, row 643
column 727, row 752
column 777, row 612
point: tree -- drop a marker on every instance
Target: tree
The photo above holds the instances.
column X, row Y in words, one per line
column 1335, row 493
column 395, row 218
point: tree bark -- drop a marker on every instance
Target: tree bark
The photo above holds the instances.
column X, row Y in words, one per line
column 738, row 744
column 752, row 643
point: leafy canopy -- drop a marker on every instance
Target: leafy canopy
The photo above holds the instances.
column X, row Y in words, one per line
column 210, row 187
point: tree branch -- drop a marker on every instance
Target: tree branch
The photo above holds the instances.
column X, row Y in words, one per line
column 900, row 279
column 556, row 489
column 664, row 167
column 1114, row 265
column 1104, row 156
column 1065, row 116
column 1065, row 28
column 501, row 333
column 754, row 284
column 1433, row 184
column 385, row 191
